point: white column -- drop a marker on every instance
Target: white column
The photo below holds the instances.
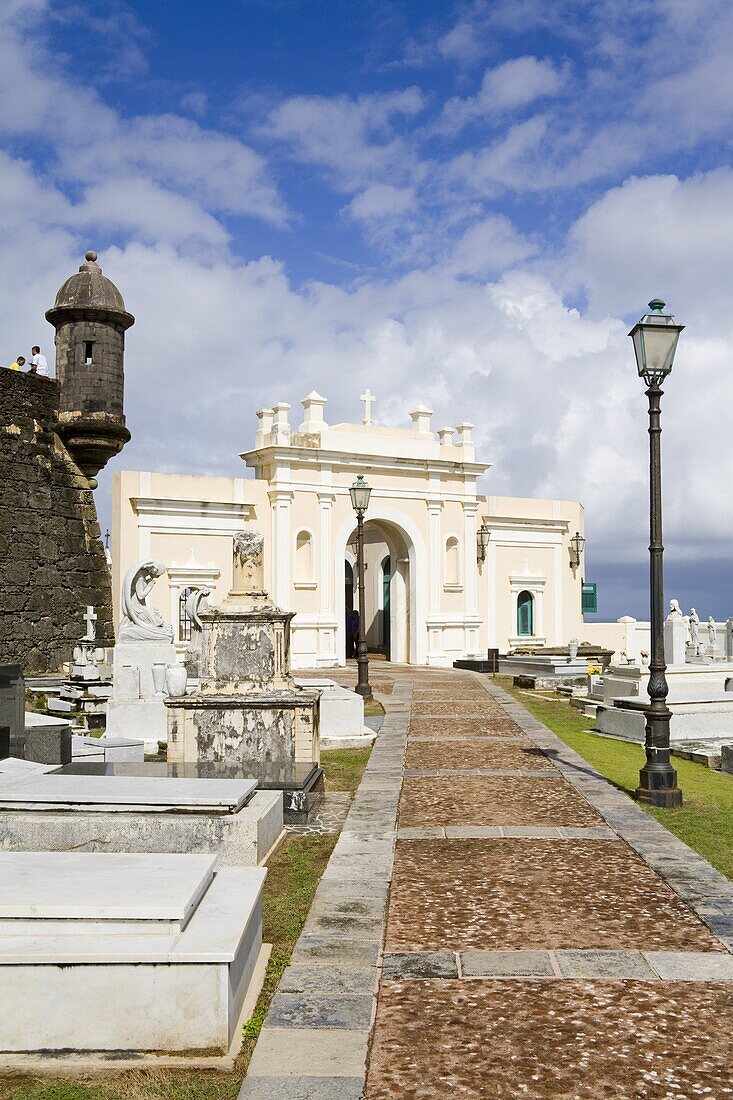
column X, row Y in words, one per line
column 470, row 509
column 470, row 576
column 399, row 606
column 281, row 502
column 325, row 571
column 559, row 579
column 489, row 579
column 435, row 556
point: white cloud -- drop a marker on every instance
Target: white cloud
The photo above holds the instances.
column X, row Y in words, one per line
column 381, row 200
column 488, row 247
column 196, row 103
column 657, row 235
column 462, row 43
column 509, row 86
column 153, row 214
column 90, row 141
column 354, row 140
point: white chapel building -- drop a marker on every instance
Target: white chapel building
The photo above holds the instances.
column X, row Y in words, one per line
column 433, row 593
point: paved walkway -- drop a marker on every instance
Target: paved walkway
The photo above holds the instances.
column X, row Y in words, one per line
column 543, row 936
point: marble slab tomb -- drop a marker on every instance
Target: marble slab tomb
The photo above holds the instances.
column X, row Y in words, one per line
column 138, row 808
column 125, row 953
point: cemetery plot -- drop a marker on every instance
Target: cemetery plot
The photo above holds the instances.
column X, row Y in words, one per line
column 530, row 894
column 492, row 800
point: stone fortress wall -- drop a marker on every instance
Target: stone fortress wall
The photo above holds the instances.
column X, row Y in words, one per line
column 52, row 561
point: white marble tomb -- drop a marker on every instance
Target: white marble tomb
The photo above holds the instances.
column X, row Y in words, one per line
column 134, row 953
column 54, row 812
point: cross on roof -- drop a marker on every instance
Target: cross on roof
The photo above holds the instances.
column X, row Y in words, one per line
column 368, row 398
column 90, row 619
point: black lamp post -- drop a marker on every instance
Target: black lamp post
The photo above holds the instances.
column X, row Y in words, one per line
column 483, row 537
column 577, row 545
column 360, row 493
column 655, row 343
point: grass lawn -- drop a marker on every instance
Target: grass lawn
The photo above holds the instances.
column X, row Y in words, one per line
column 294, row 871
column 344, row 768
column 705, row 821
column 373, row 708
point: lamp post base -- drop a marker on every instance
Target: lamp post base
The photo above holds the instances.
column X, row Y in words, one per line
column 363, row 687
column 658, row 787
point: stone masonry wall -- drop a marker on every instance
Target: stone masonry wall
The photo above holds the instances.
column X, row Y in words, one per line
column 52, row 561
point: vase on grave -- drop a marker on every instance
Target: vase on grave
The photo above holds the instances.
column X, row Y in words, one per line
column 175, row 681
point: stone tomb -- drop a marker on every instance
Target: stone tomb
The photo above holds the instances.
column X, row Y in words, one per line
column 125, row 953
column 701, row 705
column 138, row 808
column 247, row 710
column 341, row 721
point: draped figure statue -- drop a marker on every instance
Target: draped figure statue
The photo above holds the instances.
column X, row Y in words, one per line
column 140, row 623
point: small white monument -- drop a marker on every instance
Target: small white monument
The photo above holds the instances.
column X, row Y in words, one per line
column 675, row 635
column 143, row 652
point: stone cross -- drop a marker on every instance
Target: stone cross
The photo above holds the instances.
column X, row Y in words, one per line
column 368, row 398
column 90, row 619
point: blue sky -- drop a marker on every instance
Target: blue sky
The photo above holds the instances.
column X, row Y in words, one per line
column 460, row 204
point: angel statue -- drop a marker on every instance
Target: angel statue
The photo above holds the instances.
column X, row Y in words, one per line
column 140, row 623
column 712, row 632
column 196, row 602
column 694, row 628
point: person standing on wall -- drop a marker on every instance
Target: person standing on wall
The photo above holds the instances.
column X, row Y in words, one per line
column 39, row 363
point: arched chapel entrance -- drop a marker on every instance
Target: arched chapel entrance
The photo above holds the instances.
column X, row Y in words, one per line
column 388, row 557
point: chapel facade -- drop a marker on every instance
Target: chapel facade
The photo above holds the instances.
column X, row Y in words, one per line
column 433, row 592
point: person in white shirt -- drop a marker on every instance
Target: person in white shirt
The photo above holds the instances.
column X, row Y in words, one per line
column 39, row 364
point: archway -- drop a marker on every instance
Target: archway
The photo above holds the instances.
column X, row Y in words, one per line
column 393, row 559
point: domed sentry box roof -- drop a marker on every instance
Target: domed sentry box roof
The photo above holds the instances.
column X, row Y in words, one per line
column 91, row 295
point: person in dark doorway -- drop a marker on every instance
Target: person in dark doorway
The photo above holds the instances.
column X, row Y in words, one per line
column 352, row 633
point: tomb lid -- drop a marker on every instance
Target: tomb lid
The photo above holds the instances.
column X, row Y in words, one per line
column 130, row 793
column 267, row 774
column 102, row 885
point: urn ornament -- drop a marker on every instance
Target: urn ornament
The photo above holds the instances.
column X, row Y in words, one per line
column 175, row 680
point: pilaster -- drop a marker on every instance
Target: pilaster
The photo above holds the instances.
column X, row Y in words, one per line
column 281, row 504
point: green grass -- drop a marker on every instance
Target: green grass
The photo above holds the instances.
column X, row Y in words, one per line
column 344, row 768
column 36, row 700
column 373, row 709
column 294, row 870
column 705, row 821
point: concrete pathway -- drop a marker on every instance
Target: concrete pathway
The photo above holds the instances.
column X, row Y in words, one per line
column 543, row 935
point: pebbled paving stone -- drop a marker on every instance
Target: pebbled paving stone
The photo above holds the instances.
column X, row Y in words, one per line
column 455, row 708
column 551, row 1040
column 492, row 800
column 459, row 727
column 501, row 893
column 475, row 753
